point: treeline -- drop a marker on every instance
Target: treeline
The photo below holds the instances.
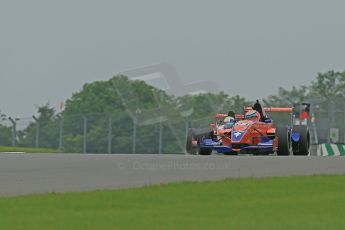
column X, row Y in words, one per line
column 106, row 115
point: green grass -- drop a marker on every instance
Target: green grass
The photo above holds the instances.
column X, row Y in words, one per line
column 28, row 150
column 316, row 202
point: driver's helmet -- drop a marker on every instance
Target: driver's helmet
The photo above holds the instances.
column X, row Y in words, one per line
column 229, row 122
column 252, row 115
column 228, row 119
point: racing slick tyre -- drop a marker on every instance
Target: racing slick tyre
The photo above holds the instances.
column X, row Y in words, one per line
column 284, row 143
column 190, row 149
column 205, row 151
column 302, row 147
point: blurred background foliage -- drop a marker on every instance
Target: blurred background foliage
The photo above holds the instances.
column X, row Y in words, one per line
column 120, row 108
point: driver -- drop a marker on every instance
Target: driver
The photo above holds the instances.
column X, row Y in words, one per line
column 230, row 117
column 229, row 121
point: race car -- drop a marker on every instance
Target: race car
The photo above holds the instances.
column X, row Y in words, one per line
column 219, row 133
column 255, row 134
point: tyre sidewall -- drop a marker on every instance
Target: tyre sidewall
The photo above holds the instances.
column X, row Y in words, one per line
column 284, row 143
column 304, row 142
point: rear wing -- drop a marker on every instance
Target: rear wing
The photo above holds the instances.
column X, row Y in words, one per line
column 220, row 116
column 273, row 109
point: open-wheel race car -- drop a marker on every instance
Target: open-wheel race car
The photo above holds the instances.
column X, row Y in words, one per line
column 251, row 133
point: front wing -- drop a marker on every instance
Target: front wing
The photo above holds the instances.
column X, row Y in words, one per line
column 266, row 146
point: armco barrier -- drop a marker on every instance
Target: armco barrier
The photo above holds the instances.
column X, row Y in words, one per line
column 331, row 150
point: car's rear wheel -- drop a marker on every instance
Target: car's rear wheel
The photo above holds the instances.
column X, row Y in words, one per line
column 304, row 142
column 284, row 143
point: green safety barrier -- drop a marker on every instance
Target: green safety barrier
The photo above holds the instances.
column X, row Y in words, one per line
column 331, row 150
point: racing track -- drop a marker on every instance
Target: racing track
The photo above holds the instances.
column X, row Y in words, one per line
column 40, row 173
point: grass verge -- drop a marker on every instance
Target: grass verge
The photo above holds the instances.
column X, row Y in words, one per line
column 28, row 150
column 316, row 202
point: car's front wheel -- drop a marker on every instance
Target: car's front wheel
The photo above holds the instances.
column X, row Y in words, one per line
column 284, row 143
column 205, row 151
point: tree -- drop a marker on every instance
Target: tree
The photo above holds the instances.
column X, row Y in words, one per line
column 288, row 97
column 123, row 101
column 48, row 129
column 5, row 135
column 329, row 85
column 5, row 132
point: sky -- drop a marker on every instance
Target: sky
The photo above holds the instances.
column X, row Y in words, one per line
column 49, row 49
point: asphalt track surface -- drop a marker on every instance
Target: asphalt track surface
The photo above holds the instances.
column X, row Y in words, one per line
column 22, row 174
